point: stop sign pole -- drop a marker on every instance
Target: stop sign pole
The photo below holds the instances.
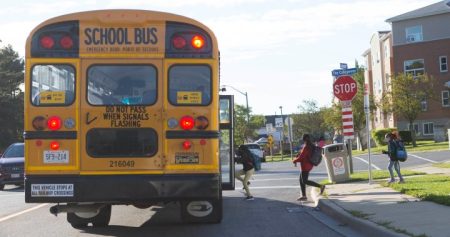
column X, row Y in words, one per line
column 345, row 89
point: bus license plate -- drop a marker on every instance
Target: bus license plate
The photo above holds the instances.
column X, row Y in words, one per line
column 51, row 157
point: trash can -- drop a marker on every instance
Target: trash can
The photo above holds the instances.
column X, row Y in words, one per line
column 336, row 156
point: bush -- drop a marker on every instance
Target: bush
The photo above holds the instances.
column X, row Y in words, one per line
column 405, row 136
column 378, row 135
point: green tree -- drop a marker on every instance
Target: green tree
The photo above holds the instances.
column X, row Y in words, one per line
column 310, row 120
column 11, row 97
column 405, row 97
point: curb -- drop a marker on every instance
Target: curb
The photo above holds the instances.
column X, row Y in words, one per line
column 365, row 227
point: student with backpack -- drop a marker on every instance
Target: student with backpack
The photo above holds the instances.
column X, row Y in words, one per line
column 247, row 171
column 306, row 166
column 393, row 146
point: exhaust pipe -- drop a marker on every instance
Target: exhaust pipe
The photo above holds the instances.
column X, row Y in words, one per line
column 86, row 208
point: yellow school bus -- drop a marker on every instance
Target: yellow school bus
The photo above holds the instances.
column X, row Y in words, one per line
column 122, row 108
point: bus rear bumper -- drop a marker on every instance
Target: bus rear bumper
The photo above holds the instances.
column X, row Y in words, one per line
column 120, row 189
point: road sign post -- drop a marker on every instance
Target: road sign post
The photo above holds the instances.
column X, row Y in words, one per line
column 367, row 111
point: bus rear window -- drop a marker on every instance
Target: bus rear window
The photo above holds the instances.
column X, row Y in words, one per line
column 122, row 85
column 190, row 85
column 52, row 85
column 132, row 142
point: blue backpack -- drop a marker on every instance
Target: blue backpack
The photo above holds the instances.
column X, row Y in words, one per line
column 400, row 152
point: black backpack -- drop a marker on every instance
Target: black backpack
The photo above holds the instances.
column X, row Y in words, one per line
column 316, row 155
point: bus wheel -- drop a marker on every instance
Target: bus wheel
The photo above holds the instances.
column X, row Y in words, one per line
column 202, row 211
column 77, row 222
column 103, row 217
column 2, row 186
column 82, row 219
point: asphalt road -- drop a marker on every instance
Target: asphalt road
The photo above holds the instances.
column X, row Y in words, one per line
column 274, row 212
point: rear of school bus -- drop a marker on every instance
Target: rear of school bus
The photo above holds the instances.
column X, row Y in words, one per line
column 121, row 108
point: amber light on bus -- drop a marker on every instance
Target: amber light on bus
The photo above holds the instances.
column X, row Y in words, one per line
column 54, row 123
column 197, row 42
column 187, row 123
column 201, row 122
column 39, row 123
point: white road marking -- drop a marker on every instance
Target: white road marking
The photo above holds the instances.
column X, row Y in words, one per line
column 274, row 179
column 361, row 159
column 22, row 212
column 425, row 159
column 275, row 187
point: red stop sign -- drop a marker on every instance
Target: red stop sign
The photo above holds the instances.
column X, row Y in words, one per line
column 345, row 88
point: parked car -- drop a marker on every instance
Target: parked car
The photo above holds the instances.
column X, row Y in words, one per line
column 12, row 165
column 256, row 150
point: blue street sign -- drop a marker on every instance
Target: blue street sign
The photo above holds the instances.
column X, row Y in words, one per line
column 340, row 72
column 343, row 66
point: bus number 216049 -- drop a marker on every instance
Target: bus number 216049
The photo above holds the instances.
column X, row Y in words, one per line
column 121, row 163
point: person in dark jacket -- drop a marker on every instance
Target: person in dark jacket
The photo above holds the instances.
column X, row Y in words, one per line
column 247, row 171
column 391, row 139
column 306, row 166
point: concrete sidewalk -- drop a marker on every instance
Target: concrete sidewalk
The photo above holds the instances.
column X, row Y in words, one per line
column 379, row 211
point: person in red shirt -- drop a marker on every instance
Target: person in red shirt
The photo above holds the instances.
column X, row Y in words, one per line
column 305, row 167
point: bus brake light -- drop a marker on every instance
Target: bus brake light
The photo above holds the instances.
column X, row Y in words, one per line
column 187, row 145
column 47, row 42
column 54, row 123
column 187, row 123
column 198, row 42
column 54, row 145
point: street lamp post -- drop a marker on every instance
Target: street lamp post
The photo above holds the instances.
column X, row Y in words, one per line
column 282, row 132
column 246, row 99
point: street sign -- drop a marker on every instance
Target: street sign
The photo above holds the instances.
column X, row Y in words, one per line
column 343, row 66
column 278, row 122
column 340, row 72
column 345, row 88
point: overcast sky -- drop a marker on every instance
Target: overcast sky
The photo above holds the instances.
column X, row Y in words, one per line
column 281, row 52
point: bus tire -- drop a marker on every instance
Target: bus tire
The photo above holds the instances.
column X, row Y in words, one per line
column 81, row 220
column 77, row 222
column 202, row 211
column 2, row 186
column 103, row 217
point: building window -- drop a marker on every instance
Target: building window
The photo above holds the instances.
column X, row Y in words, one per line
column 443, row 63
column 428, row 129
column 414, row 34
column 415, row 67
column 415, row 128
column 424, row 105
column 445, row 98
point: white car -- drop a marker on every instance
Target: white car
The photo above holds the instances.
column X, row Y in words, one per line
column 256, row 150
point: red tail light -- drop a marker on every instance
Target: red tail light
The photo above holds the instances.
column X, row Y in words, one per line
column 198, row 42
column 54, row 123
column 66, row 42
column 178, row 42
column 47, row 42
column 187, row 145
column 187, row 123
column 54, row 145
